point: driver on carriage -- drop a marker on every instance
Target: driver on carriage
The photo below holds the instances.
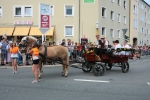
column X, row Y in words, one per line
column 102, row 44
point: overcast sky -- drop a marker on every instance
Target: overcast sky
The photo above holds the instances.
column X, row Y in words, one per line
column 148, row 1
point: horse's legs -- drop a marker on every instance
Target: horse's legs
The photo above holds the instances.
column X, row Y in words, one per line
column 63, row 71
column 66, row 70
column 40, row 68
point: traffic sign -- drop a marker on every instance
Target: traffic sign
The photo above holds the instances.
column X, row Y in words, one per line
column 124, row 30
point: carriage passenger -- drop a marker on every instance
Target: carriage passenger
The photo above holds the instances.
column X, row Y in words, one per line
column 117, row 45
column 35, row 57
column 125, row 45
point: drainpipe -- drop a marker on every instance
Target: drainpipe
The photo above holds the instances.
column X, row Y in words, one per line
column 79, row 21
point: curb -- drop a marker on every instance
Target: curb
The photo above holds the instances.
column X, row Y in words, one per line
column 29, row 66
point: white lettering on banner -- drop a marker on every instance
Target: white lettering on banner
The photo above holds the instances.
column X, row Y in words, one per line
column 23, row 22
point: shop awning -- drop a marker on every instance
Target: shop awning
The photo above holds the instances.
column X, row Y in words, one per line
column 21, row 31
column 8, row 31
column 50, row 32
column 35, row 31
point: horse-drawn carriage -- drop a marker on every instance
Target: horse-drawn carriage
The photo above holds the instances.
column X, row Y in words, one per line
column 98, row 64
column 92, row 61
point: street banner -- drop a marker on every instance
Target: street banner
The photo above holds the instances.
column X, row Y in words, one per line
column 44, row 17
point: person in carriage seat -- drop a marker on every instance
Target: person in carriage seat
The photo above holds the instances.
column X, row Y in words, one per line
column 117, row 45
column 102, row 43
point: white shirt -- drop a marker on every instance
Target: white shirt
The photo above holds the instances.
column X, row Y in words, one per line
column 126, row 52
column 118, row 46
column 126, row 46
column 0, row 46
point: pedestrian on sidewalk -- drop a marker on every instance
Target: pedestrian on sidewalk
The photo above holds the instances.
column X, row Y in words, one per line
column 8, row 53
column 35, row 57
column 14, row 56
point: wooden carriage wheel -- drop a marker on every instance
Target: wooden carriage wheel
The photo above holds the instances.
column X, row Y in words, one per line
column 125, row 67
column 98, row 69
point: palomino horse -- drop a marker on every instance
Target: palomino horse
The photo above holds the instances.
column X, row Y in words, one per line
column 48, row 53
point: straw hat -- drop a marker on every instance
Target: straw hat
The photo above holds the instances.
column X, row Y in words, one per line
column 102, row 36
column 97, row 34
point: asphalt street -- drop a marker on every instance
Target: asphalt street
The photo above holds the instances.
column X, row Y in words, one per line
column 114, row 85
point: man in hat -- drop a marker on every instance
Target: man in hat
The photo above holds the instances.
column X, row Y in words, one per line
column 101, row 42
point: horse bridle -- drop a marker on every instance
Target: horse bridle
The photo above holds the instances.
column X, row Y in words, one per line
column 25, row 43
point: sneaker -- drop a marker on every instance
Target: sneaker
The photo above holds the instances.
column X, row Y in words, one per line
column 35, row 81
column 13, row 73
column 16, row 72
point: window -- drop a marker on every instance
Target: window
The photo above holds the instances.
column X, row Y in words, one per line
column 124, row 19
column 103, row 12
column 142, row 18
column 112, row 0
column 112, row 33
column 69, row 30
column 142, row 30
column 119, row 2
column 112, row 15
column 118, row 33
column 17, row 11
column 0, row 11
column 104, row 31
column 124, row 4
column 22, row 11
column 135, row 23
column 69, row 10
column 28, row 11
column 52, row 10
column 142, row 6
column 145, row 15
column 119, row 18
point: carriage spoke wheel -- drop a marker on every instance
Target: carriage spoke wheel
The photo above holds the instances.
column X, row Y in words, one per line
column 108, row 66
column 87, row 67
column 98, row 69
column 125, row 67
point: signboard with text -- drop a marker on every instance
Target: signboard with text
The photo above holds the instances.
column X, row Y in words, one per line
column 44, row 18
column 89, row 1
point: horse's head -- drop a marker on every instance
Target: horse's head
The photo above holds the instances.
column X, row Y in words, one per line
column 27, row 41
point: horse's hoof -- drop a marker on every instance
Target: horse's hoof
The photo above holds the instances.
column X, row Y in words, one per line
column 66, row 76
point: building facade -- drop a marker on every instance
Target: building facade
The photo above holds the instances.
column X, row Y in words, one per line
column 70, row 19
column 139, row 22
column 78, row 19
column 113, row 17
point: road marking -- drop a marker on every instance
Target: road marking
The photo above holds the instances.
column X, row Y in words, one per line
column 148, row 83
column 84, row 80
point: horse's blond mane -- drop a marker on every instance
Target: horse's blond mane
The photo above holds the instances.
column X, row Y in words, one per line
column 32, row 38
column 25, row 38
